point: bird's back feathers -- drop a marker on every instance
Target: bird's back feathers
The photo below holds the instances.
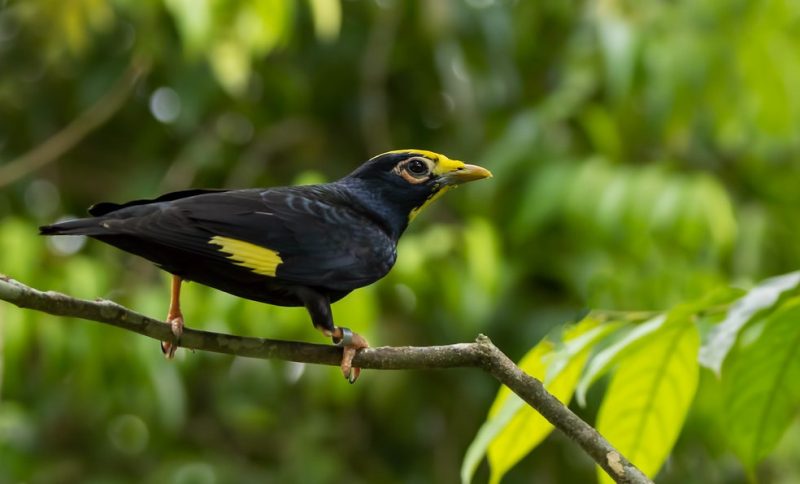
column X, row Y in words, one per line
column 309, row 236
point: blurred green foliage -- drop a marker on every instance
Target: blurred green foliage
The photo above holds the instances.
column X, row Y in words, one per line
column 645, row 153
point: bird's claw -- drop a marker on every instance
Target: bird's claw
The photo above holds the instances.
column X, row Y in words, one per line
column 350, row 342
column 168, row 347
column 351, row 374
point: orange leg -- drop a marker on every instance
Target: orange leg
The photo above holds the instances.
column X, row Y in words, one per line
column 350, row 342
column 174, row 318
column 319, row 308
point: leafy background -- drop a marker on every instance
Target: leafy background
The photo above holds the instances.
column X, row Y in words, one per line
column 645, row 158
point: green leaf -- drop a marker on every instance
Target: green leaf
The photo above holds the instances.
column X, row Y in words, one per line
column 604, row 360
column 761, row 384
column 512, row 428
column 575, row 343
column 528, row 428
column 723, row 336
column 649, row 395
column 502, row 412
column 641, row 334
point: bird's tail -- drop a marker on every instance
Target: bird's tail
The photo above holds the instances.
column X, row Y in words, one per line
column 81, row 226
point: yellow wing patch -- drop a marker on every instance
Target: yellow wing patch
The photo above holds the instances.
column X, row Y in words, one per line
column 256, row 258
column 442, row 164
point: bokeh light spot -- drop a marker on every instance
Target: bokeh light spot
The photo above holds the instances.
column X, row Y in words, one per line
column 165, row 104
column 66, row 244
column 128, row 434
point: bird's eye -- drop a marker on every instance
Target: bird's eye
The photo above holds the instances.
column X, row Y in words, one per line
column 417, row 167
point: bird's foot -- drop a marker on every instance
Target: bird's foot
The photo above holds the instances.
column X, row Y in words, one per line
column 168, row 347
column 350, row 342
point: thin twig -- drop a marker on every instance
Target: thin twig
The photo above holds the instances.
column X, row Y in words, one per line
column 480, row 354
column 73, row 133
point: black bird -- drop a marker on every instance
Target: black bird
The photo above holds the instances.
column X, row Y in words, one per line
column 288, row 246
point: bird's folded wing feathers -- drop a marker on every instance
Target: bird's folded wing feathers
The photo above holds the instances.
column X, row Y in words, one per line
column 316, row 240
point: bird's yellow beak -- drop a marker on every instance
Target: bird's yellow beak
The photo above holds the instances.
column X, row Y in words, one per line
column 451, row 173
column 460, row 172
column 468, row 173
column 456, row 172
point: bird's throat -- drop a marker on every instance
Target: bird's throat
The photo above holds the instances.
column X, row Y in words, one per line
column 416, row 210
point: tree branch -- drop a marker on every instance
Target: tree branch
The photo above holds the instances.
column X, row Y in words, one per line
column 480, row 354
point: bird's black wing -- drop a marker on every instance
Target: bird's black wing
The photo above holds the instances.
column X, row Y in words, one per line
column 104, row 208
column 303, row 235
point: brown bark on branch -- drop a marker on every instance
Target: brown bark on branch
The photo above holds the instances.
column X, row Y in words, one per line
column 480, row 354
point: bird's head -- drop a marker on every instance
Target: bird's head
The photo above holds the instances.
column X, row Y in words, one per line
column 409, row 180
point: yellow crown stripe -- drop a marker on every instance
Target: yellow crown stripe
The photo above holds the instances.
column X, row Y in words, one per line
column 442, row 164
column 260, row 260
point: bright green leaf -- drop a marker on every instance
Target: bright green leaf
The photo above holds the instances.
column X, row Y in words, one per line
column 528, row 428
column 761, row 384
column 604, row 360
column 575, row 343
column 502, row 412
column 640, row 335
column 649, row 395
column 512, row 428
